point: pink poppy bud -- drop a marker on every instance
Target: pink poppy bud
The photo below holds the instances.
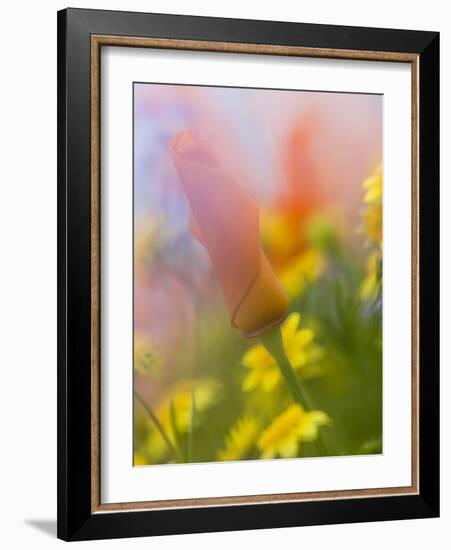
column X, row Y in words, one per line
column 224, row 218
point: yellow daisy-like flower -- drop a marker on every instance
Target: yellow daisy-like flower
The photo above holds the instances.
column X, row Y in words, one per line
column 300, row 348
column 304, row 269
column 240, row 440
column 286, row 431
column 145, row 360
column 206, row 394
column 372, row 218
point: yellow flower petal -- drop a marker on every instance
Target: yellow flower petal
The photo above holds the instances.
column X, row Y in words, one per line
column 303, row 337
column 270, row 380
column 240, row 440
column 252, row 381
column 289, row 449
column 206, row 391
column 297, row 358
column 257, row 357
column 299, row 346
column 308, row 427
column 282, row 436
column 290, row 325
column 281, row 430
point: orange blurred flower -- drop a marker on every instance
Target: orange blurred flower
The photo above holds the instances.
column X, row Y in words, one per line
column 299, row 200
column 299, row 196
column 225, row 219
column 301, row 192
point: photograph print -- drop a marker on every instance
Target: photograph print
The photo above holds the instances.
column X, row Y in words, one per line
column 257, row 274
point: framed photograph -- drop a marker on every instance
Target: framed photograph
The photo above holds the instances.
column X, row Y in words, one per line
column 248, row 274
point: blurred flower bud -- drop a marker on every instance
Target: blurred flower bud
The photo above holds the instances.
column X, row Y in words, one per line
column 225, row 220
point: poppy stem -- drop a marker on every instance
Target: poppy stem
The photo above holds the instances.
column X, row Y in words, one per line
column 273, row 343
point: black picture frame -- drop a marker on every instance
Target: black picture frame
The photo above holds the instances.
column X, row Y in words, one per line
column 76, row 520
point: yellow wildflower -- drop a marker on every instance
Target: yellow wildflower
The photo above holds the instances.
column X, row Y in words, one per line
column 300, row 348
column 240, row 440
column 287, row 430
column 206, row 394
column 372, row 225
column 372, row 219
column 145, row 360
column 304, row 269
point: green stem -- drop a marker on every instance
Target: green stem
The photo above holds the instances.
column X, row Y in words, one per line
column 157, row 423
column 272, row 341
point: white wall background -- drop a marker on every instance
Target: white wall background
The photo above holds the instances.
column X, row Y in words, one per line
column 28, row 271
